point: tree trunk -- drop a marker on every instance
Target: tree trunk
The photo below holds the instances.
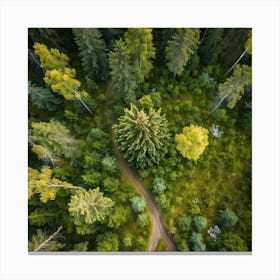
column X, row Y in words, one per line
column 236, row 62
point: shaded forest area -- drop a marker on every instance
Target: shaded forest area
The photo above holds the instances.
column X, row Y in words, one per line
column 176, row 105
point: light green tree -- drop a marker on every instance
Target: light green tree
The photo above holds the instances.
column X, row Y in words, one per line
column 92, row 50
column 142, row 137
column 44, row 184
column 140, row 44
column 232, row 89
column 180, row 48
column 90, row 206
column 51, row 140
column 58, row 75
column 192, row 142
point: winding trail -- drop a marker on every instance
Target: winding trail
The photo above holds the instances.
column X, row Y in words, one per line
column 158, row 230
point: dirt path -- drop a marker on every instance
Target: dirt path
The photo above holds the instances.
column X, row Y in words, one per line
column 158, row 229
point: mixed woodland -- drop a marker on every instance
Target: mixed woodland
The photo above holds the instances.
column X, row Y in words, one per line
column 139, row 139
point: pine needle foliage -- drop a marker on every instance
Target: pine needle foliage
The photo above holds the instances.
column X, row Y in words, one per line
column 233, row 88
column 92, row 50
column 90, row 206
column 51, row 140
column 142, row 137
column 180, row 48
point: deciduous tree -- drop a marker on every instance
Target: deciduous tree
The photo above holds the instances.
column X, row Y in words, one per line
column 192, row 142
column 44, row 184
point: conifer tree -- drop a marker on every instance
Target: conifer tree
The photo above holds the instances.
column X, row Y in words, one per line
column 92, row 50
column 52, row 140
column 142, row 136
column 123, row 77
column 130, row 62
column 180, row 48
column 192, row 142
column 87, row 207
column 232, row 89
column 140, row 45
column 43, row 97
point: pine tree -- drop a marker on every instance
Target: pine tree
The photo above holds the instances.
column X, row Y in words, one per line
column 87, row 207
column 52, row 140
column 43, row 97
column 140, row 44
column 232, row 89
column 180, row 48
column 143, row 137
column 123, row 77
column 192, row 142
column 130, row 62
column 92, row 50
column 44, row 184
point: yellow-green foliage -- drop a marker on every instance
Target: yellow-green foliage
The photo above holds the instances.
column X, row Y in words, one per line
column 50, row 59
column 87, row 207
column 60, row 78
column 192, row 142
column 233, row 88
column 43, row 184
column 248, row 44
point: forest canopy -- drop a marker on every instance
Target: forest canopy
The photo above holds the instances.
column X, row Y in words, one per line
column 139, row 139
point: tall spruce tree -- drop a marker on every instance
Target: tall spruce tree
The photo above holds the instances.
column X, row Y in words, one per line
column 123, row 77
column 92, row 50
column 142, row 136
column 140, row 44
column 180, row 48
column 130, row 61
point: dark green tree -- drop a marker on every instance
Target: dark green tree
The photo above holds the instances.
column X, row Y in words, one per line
column 44, row 98
column 142, row 137
column 122, row 73
column 92, row 50
column 226, row 218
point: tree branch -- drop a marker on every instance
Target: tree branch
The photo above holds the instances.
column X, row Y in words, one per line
column 48, row 240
